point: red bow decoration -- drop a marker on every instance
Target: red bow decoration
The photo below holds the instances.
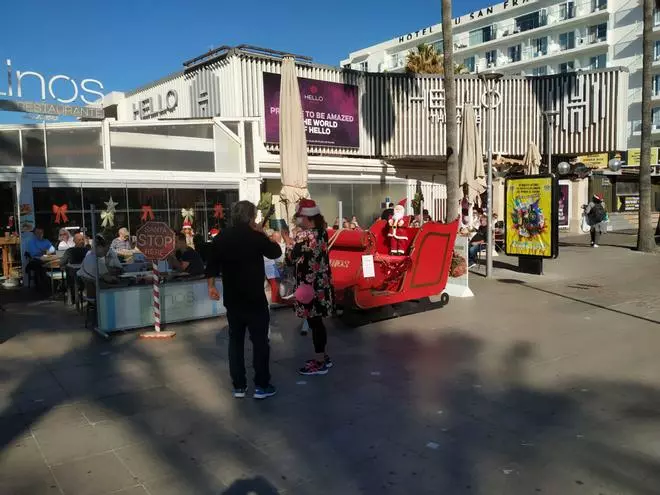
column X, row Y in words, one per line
column 60, row 213
column 218, row 211
column 147, row 213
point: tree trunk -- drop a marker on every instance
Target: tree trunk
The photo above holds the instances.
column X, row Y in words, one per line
column 451, row 129
column 645, row 234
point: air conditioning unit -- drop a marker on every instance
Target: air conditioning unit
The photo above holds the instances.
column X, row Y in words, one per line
column 491, row 65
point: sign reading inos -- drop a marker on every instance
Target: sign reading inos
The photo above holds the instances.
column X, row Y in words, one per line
column 60, row 88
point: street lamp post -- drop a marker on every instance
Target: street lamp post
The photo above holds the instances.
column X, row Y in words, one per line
column 550, row 120
column 489, row 79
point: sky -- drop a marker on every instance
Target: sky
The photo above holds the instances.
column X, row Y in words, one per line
column 129, row 43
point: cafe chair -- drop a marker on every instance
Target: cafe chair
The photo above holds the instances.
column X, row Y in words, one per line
column 30, row 270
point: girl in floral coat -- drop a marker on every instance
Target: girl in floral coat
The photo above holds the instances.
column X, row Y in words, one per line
column 309, row 256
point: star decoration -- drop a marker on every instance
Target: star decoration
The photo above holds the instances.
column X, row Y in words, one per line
column 110, row 205
column 218, row 211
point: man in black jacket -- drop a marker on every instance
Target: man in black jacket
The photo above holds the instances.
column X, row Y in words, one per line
column 238, row 254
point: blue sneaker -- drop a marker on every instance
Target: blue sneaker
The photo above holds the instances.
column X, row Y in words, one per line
column 239, row 393
column 264, row 393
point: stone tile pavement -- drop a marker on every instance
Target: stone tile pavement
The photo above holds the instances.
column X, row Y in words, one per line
column 534, row 386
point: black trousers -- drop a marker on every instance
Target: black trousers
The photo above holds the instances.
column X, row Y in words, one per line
column 319, row 334
column 595, row 233
column 255, row 321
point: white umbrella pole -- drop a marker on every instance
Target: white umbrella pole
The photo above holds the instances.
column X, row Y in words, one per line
column 340, row 209
column 489, row 187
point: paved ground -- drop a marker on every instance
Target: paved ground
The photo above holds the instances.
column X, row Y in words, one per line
column 537, row 385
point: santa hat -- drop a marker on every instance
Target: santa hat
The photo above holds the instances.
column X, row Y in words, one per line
column 214, row 232
column 307, row 208
column 598, row 197
column 402, row 202
column 187, row 224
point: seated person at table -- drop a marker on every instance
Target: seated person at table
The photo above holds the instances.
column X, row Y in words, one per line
column 122, row 242
column 108, row 263
column 66, row 241
column 37, row 247
column 74, row 256
column 185, row 258
column 479, row 239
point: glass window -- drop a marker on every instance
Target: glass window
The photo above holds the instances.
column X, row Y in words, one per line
column 656, row 85
column 76, row 148
column 482, row 35
column 364, row 66
column 57, row 207
column 567, row 67
column 656, row 51
column 656, row 17
column 567, row 40
column 655, row 113
column 491, row 57
column 108, row 225
column 145, row 205
column 189, row 200
column 469, row 63
column 33, row 148
column 598, row 5
column 540, row 71
column 163, row 148
column 8, row 207
column 598, row 62
column 528, row 21
column 567, row 10
column 216, row 217
column 541, row 46
column 514, row 53
column 598, row 33
column 10, row 149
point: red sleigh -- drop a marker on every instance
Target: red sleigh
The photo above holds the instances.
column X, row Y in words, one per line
column 419, row 273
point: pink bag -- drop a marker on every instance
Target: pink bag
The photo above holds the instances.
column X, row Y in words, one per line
column 304, row 294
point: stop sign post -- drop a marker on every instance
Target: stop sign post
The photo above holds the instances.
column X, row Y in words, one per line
column 156, row 241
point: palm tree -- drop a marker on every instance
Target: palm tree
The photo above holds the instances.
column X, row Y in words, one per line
column 451, row 127
column 645, row 233
column 425, row 59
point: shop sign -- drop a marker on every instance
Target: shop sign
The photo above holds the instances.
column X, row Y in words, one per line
column 531, row 217
column 45, row 108
column 594, row 160
column 629, row 203
column 563, row 204
column 330, row 111
column 155, row 240
column 634, row 155
column 61, row 88
column 151, row 107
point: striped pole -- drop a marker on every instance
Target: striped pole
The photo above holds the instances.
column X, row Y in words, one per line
column 156, row 275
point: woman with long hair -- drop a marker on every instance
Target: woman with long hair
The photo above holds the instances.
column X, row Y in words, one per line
column 314, row 293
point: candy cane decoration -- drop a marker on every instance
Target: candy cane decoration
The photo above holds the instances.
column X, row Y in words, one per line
column 156, row 275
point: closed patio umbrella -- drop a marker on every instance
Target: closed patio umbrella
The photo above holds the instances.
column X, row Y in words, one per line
column 470, row 158
column 293, row 144
column 532, row 159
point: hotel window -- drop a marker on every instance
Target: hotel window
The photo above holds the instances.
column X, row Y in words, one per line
column 655, row 118
column 567, row 41
column 656, row 51
column 491, row 58
column 567, row 67
column 541, row 46
column 598, row 62
column 656, row 17
column 515, row 53
column 531, row 21
column 364, row 66
column 540, row 71
column 598, row 5
column 656, row 85
column 567, row 10
column 439, row 47
column 395, row 60
column 482, row 35
column 598, row 33
column 469, row 63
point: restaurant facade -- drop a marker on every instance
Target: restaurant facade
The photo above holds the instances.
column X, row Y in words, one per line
column 200, row 139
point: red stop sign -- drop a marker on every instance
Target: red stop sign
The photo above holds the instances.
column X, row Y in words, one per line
column 155, row 240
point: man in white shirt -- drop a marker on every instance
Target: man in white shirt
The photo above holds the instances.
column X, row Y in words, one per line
column 109, row 265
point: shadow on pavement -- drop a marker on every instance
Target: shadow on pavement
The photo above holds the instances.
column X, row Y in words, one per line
column 401, row 412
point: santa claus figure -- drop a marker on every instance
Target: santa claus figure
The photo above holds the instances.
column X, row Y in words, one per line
column 398, row 233
column 187, row 230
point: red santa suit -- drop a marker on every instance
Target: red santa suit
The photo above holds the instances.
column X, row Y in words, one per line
column 398, row 233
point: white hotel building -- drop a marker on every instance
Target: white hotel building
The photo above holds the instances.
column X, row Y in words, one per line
column 538, row 37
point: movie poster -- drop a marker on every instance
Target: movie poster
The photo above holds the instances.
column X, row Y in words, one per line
column 531, row 211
